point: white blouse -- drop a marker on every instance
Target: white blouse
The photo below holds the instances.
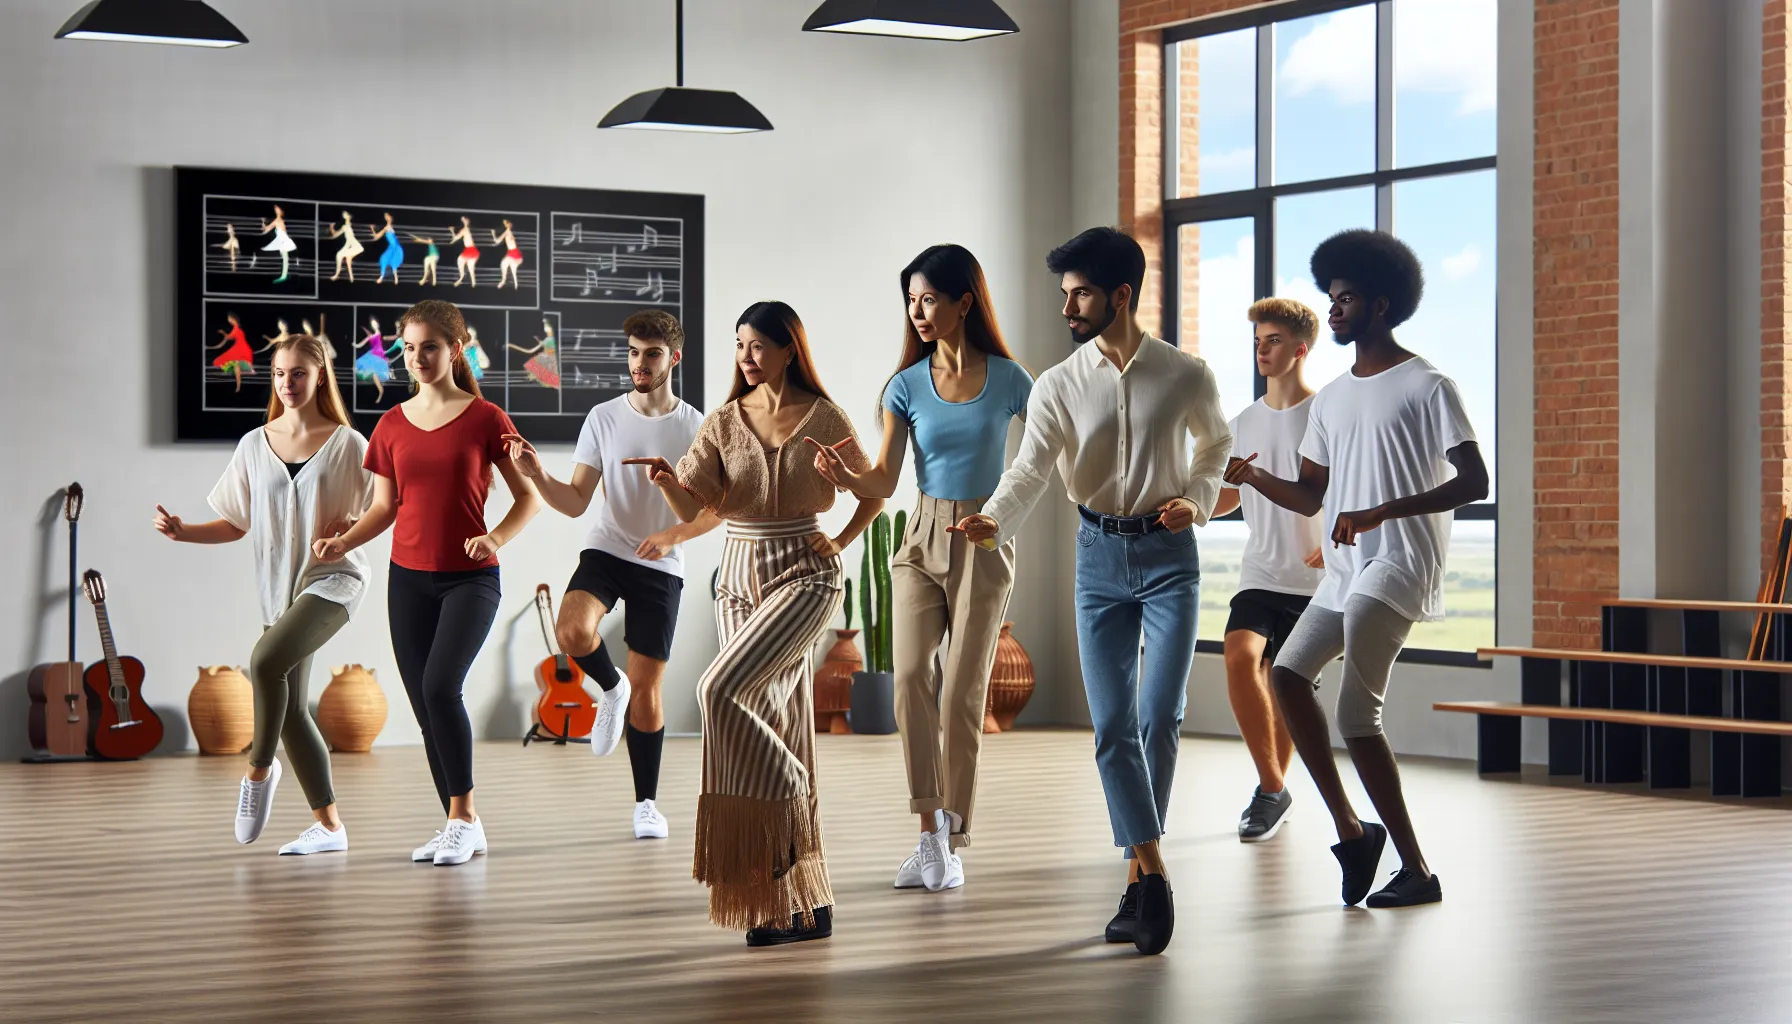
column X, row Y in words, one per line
column 283, row 514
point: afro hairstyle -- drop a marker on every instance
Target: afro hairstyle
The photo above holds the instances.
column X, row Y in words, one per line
column 1380, row 265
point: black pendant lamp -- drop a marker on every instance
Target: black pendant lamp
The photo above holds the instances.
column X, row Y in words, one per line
column 955, row 20
column 177, row 22
column 677, row 109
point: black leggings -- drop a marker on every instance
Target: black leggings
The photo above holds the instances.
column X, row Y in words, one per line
column 439, row 621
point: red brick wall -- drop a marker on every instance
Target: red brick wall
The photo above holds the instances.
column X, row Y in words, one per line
column 1575, row 257
column 1776, row 233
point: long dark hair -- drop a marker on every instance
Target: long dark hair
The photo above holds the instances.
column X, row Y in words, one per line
column 779, row 323
column 954, row 273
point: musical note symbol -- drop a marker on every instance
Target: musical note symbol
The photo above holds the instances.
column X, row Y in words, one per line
column 590, row 281
column 654, row 288
column 608, row 263
column 576, row 234
column 649, row 239
column 646, row 286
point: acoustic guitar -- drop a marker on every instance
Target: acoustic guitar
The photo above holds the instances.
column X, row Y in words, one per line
column 58, row 720
column 122, row 726
column 564, row 711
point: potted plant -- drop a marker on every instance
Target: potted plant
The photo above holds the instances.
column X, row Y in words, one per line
column 874, row 689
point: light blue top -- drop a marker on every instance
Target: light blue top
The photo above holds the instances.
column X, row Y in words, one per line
column 959, row 446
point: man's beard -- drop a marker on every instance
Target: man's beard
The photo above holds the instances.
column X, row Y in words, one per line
column 1078, row 337
column 651, row 385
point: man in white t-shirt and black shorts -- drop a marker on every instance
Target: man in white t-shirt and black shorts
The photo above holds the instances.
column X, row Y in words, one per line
column 1381, row 443
column 1282, row 559
column 632, row 551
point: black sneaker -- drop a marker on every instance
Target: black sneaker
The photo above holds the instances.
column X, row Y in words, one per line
column 821, row 929
column 1408, row 890
column 1126, row 919
column 1359, row 858
column 1157, row 915
column 1263, row 818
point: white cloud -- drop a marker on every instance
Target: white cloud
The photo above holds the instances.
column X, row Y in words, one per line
column 1226, row 292
column 1462, row 264
column 1230, row 166
column 1448, row 46
column 1336, row 57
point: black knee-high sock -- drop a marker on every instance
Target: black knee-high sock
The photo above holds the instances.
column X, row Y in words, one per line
column 599, row 667
column 644, row 758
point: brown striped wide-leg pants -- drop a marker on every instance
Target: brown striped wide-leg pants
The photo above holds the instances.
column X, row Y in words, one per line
column 758, row 833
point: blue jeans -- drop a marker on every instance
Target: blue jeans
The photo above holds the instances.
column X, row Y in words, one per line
column 1131, row 590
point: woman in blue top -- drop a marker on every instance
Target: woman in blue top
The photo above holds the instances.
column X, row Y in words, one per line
column 954, row 395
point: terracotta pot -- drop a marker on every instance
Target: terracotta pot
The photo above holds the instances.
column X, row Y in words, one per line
column 221, row 710
column 833, row 683
column 352, row 710
column 1010, row 682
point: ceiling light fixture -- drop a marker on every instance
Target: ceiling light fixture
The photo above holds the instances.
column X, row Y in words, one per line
column 678, row 109
column 175, row 22
column 953, row 20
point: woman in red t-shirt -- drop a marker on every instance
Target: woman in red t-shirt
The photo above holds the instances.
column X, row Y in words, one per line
column 432, row 461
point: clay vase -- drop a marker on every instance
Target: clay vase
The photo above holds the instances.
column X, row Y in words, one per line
column 221, row 710
column 1010, row 682
column 352, row 710
column 833, row 683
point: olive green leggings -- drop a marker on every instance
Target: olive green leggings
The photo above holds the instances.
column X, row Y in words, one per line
column 278, row 668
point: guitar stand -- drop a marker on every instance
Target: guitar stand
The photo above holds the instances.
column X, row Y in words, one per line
column 536, row 732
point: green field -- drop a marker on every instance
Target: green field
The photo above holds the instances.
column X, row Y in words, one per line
column 1468, row 586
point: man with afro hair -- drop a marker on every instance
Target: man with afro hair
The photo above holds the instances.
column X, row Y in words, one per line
column 1381, row 444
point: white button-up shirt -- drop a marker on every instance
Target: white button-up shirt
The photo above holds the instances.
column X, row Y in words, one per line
column 282, row 516
column 1120, row 438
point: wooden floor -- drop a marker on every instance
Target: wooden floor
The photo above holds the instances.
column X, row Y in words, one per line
column 123, row 897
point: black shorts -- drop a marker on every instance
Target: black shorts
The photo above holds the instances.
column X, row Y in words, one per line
column 649, row 597
column 1268, row 614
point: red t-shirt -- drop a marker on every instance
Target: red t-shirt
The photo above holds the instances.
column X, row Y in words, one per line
column 442, row 477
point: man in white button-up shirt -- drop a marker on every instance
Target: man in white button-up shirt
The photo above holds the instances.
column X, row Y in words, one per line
column 1117, row 418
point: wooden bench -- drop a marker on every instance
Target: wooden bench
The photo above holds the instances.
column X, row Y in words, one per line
column 1626, row 716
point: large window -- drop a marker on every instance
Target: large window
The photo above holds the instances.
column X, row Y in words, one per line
column 1292, row 122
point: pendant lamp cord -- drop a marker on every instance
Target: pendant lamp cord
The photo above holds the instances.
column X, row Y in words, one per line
column 681, row 44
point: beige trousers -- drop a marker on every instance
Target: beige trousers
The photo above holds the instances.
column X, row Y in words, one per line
column 944, row 587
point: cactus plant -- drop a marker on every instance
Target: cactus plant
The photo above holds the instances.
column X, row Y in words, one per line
column 848, row 603
column 880, row 564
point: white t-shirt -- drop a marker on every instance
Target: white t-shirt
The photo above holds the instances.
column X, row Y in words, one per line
column 1275, row 555
column 283, row 514
column 633, row 509
column 1385, row 437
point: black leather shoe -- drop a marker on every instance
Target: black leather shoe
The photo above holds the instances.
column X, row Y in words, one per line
column 1126, row 919
column 1359, row 858
column 1408, row 889
column 1157, row 915
column 821, row 929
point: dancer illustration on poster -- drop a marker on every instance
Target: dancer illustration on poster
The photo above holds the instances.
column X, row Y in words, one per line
column 284, row 333
column 374, row 364
column 468, row 263
column 238, row 358
column 477, row 360
column 513, row 257
column 282, row 243
column 393, row 257
column 230, row 245
column 329, row 349
column 430, row 259
column 544, row 368
column 351, row 247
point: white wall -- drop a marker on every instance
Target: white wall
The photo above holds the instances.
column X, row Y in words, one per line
column 882, row 147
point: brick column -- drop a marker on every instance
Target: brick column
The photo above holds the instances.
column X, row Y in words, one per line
column 1575, row 253
column 1776, row 232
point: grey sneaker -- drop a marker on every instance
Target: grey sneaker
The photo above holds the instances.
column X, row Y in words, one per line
column 1264, row 817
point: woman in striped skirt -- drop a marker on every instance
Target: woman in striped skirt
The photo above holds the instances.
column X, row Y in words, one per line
column 752, row 464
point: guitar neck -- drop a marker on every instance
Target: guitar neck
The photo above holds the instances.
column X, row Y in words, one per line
column 74, row 590
column 113, row 668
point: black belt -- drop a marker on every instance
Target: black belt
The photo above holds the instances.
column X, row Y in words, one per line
column 1124, row 526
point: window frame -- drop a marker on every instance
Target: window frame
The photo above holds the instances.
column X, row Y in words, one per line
column 1259, row 204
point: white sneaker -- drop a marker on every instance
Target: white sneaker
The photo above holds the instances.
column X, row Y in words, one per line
column 649, row 822
column 908, row 876
column 460, row 841
column 612, row 710
column 935, row 851
column 253, row 804
column 428, row 850
column 317, row 839
column 954, row 873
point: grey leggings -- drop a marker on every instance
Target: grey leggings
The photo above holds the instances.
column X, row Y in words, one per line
column 1369, row 634
column 278, row 668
